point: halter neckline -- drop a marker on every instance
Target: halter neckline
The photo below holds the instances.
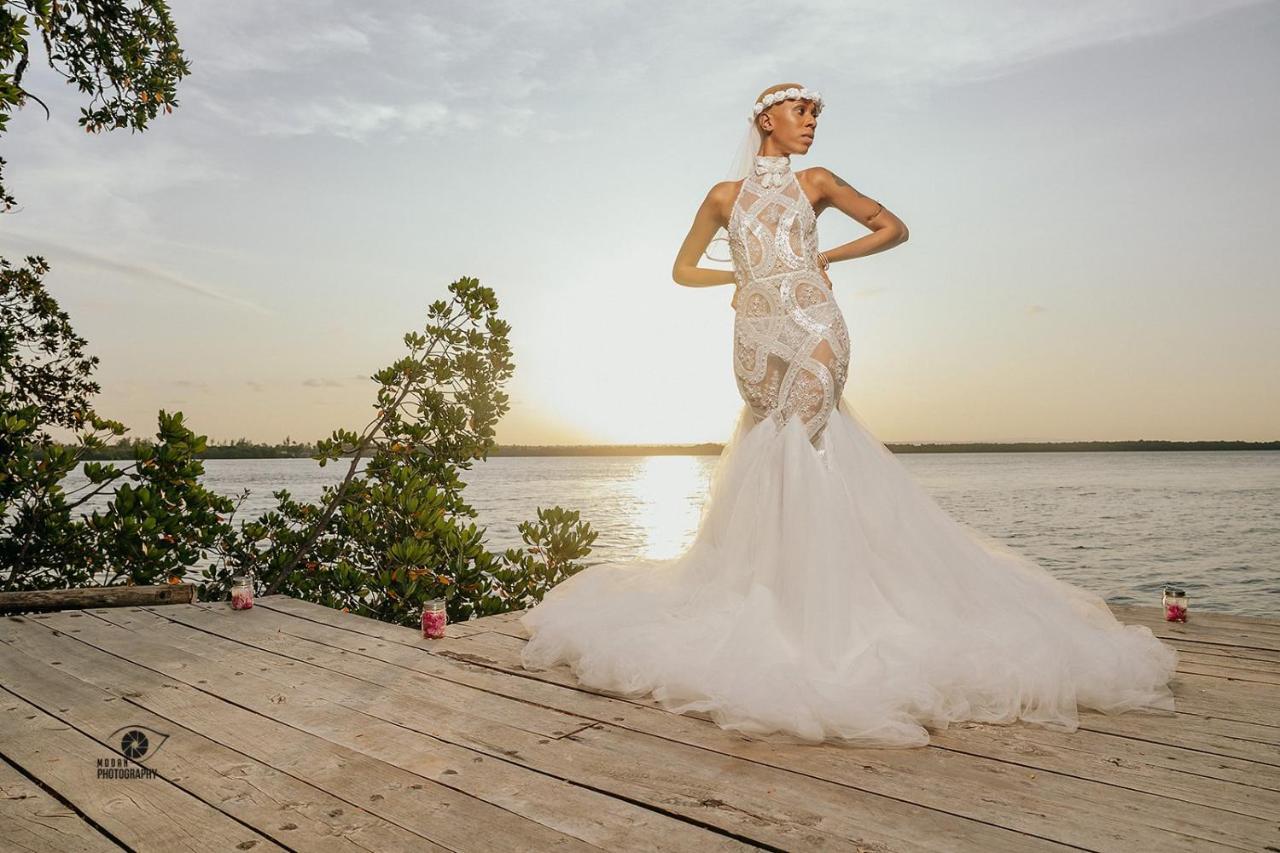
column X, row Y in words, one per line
column 771, row 171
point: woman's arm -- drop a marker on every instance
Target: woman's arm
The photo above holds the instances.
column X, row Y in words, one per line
column 709, row 219
column 887, row 230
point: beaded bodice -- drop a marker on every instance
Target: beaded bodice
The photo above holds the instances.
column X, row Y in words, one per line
column 772, row 228
column 791, row 345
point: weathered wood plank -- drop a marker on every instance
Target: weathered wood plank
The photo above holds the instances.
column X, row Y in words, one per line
column 1218, row 737
column 1233, row 698
column 1271, row 622
column 759, row 802
column 420, row 788
column 1245, row 641
column 513, row 790
column 1222, row 737
column 371, row 714
column 1223, row 650
column 513, row 628
column 290, row 811
column 363, row 624
column 147, row 813
column 32, row 819
column 1228, row 699
column 96, row 596
column 1239, row 737
column 1209, row 618
column 1194, row 694
column 1084, row 753
column 1207, row 630
column 1196, row 657
column 1207, row 634
column 1228, row 795
column 1229, row 673
column 287, row 663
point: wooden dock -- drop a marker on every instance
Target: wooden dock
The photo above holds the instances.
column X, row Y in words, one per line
column 291, row 726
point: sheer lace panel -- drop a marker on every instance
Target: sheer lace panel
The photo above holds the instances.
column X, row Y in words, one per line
column 791, row 345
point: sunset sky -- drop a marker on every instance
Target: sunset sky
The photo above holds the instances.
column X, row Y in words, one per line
column 1090, row 187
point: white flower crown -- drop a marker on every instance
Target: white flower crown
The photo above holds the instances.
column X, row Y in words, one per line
column 787, row 95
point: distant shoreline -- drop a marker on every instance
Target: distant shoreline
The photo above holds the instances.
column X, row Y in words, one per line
column 714, row 449
column 243, row 449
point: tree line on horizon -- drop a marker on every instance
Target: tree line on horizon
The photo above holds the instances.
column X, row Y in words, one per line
column 242, row 448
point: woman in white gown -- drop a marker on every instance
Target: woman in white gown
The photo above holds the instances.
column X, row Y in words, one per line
column 826, row 596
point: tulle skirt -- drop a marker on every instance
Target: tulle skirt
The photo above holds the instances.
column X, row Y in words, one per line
column 827, row 597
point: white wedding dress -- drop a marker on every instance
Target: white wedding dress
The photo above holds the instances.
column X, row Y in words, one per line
column 826, row 596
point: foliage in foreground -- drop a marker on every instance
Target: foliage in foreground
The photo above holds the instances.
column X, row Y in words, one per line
column 160, row 518
column 391, row 534
column 382, row 541
column 123, row 54
column 398, row 531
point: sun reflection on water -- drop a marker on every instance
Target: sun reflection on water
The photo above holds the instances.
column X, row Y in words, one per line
column 668, row 493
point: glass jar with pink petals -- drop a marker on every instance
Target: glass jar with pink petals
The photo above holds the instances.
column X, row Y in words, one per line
column 1174, row 602
column 434, row 618
column 242, row 592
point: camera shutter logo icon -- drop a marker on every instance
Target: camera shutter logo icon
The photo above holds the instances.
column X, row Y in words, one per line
column 134, row 744
column 138, row 743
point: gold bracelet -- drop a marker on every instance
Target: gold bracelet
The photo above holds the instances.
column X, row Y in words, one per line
column 822, row 257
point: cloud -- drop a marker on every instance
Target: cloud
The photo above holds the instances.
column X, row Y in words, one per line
column 1036, row 309
column 322, row 383
column 327, row 68
column 357, row 120
column 316, row 67
column 913, row 47
column 109, row 172
column 99, row 191
column 286, row 37
column 398, row 69
column 26, row 244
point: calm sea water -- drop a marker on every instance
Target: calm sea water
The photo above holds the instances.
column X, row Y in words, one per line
column 1120, row 524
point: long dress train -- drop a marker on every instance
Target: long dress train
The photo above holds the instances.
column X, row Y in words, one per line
column 826, row 595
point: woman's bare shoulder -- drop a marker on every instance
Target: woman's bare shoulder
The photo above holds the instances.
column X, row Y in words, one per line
column 821, row 177
column 724, row 191
column 721, row 196
column 817, row 175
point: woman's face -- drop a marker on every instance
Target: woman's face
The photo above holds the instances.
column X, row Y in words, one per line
column 793, row 125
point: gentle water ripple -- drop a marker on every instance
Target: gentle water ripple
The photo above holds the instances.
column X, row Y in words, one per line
column 1120, row 524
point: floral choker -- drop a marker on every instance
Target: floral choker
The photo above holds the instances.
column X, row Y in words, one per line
column 772, row 171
